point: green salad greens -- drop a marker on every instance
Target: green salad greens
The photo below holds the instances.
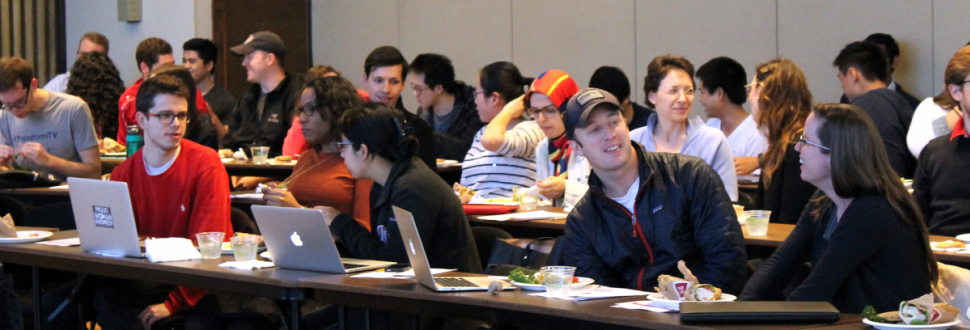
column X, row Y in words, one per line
column 870, row 313
column 523, row 275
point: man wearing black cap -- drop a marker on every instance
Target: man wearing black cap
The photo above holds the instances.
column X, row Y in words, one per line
column 643, row 211
column 265, row 111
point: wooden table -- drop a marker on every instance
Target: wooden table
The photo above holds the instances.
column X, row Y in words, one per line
column 42, row 196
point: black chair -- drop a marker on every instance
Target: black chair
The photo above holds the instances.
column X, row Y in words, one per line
column 15, row 208
column 241, row 222
column 57, row 215
column 485, row 240
column 555, row 256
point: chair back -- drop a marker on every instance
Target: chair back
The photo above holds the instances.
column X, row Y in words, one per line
column 56, row 215
column 485, row 241
column 15, row 208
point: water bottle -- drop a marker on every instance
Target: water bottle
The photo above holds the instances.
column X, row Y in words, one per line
column 134, row 138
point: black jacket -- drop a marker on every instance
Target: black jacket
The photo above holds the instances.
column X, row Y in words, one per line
column 788, row 194
column 940, row 185
column 454, row 142
column 912, row 100
column 892, row 116
column 246, row 130
column 682, row 213
column 871, row 258
column 423, row 132
column 441, row 221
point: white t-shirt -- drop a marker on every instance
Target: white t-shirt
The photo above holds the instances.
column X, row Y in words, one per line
column 746, row 140
column 630, row 198
column 929, row 122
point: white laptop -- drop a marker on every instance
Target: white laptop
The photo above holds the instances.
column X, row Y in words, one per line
column 104, row 218
column 421, row 267
column 300, row 239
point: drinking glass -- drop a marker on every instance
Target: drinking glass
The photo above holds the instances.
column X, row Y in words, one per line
column 558, row 279
column 757, row 222
column 210, row 244
column 260, row 154
column 244, row 247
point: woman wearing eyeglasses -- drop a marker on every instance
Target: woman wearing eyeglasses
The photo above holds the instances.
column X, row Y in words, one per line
column 320, row 176
column 862, row 232
column 669, row 86
column 557, row 167
column 780, row 102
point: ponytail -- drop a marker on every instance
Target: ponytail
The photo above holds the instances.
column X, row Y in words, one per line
column 385, row 131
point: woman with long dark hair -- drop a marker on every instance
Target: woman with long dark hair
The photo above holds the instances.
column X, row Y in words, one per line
column 94, row 78
column 862, row 232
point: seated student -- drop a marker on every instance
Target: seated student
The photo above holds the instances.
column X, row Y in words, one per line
column 377, row 144
column 90, row 42
column 940, row 183
column 450, row 105
column 863, row 70
column 48, row 132
column 721, row 84
column 863, row 234
column 95, row 79
column 502, row 155
column 199, row 128
column 557, row 166
column 613, row 80
column 295, row 143
column 645, row 211
column 934, row 117
column 323, row 101
column 780, row 102
column 889, row 45
column 670, row 89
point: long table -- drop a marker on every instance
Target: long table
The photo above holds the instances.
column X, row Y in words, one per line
column 509, row 307
column 235, row 167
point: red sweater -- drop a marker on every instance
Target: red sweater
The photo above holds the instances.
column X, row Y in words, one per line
column 126, row 109
column 191, row 197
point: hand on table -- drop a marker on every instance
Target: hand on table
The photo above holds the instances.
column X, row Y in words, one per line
column 329, row 213
column 152, row 314
column 247, row 182
column 746, row 165
column 552, row 187
column 279, row 197
column 464, row 194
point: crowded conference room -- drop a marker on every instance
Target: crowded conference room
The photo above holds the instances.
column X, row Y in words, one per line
column 484, row 165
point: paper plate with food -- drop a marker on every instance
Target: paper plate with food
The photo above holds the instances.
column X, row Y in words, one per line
column 26, row 236
column 919, row 313
column 446, row 162
column 531, row 280
column 948, row 246
column 672, row 288
column 282, row 160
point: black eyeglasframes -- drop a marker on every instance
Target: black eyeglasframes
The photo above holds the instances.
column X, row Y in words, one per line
column 167, row 117
column 801, row 139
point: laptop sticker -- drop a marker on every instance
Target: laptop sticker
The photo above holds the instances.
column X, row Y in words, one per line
column 102, row 217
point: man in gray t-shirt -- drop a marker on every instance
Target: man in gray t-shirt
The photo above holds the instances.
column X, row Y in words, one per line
column 48, row 132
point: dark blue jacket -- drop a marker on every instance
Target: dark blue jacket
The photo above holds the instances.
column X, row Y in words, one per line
column 682, row 213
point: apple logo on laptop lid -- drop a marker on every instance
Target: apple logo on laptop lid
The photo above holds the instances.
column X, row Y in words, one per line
column 296, row 239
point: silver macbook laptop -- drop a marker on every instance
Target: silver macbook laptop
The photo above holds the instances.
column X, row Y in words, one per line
column 300, row 239
column 421, row 267
column 104, row 218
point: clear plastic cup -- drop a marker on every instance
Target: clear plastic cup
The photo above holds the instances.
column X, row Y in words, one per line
column 244, row 247
column 558, row 279
column 210, row 244
column 260, row 154
column 757, row 222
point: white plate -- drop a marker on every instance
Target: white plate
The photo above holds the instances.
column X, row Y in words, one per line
column 965, row 238
column 447, row 162
column 114, row 154
column 266, row 255
column 951, row 250
column 23, row 236
column 583, row 282
column 742, row 221
column 657, row 296
column 276, row 162
column 889, row 326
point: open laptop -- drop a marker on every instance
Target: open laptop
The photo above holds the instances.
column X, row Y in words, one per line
column 300, row 239
column 104, row 218
column 421, row 267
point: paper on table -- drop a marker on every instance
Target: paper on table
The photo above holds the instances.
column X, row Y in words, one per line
column 63, row 242
column 525, row 216
column 401, row 275
column 170, row 249
column 652, row 306
column 246, row 265
column 248, row 196
column 63, row 186
column 593, row 291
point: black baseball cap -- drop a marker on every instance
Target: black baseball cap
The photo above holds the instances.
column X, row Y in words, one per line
column 263, row 40
column 582, row 104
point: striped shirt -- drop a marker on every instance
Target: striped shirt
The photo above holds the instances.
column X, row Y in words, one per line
column 493, row 174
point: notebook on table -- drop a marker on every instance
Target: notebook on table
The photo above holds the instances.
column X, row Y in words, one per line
column 759, row 312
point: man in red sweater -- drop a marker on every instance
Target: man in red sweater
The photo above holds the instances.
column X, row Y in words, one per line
column 178, row 188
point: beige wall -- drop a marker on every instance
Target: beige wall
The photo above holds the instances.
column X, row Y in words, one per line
column 578, row 36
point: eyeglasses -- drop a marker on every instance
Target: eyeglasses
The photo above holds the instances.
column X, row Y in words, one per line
column 801, row 139
column 749, row 87
column 341, row 145
column 548, row 111
column 308, row 109
column 19, row 105
column 419, row 89
column 167, row 117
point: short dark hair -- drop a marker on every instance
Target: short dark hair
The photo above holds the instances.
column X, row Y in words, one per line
column 160, row 84
column 866, row 57
column 383, row 129
column 205, row 48
column 149, row 50
column 437, row 70
column 659, row 67
column 613, row 80
column 14, row 69
column 887, row 42
column 96, row 38
column 319, row 71
column 385, row 56
column 726, row 74
column 334, row 96
column 504, row 78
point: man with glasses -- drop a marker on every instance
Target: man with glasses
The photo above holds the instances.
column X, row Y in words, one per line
column 450, row 105
column 43, row 131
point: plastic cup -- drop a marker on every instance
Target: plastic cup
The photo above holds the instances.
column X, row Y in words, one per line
column 757, row 222
column 244, row 247
column 210, row 244
column 558, row 279
column 260, row 154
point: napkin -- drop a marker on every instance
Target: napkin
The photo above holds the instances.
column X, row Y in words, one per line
column 591, row 292
column 525, row 216
column 474, row 209
column 247, row 265
column 170, row 249
column 7, row 228
column 652, row 306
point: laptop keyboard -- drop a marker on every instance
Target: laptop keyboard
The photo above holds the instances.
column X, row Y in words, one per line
column 352, row 266
column 454, row 282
